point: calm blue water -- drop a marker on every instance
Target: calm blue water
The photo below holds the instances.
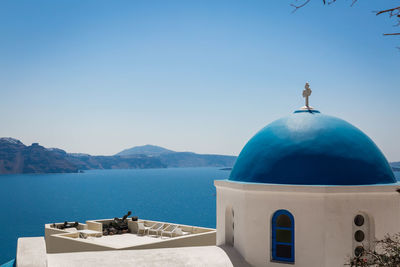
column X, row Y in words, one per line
column 27, row 202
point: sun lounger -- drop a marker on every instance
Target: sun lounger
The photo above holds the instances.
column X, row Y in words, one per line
column 179, row 232
column 169, row 230
column 156, row 228
column 71, row 230
column 142, row 228
column 86, row 233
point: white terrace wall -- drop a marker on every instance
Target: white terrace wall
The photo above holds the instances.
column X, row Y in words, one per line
column 60, row 241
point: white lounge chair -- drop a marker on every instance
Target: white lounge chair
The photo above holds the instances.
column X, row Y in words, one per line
column 142, row 228
column 155, row 228
column 89, row 233
column 71, row 230
column 179, row 232
column 169, row 230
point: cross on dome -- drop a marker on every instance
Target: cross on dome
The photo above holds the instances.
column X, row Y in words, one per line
column 306, row 94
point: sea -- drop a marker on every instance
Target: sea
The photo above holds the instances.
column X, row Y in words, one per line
column 179, row 195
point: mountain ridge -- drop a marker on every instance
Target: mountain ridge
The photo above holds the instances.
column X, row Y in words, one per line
column 150, row 150
column 15, row 157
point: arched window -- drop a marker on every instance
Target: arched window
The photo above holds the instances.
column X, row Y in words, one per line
column 229, row 226
column 283, row 236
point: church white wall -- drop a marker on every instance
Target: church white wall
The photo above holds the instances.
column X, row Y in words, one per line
column 323, row 219
column 234, row 199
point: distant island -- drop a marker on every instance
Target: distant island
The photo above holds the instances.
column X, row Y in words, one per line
column 395, row 166
column 15, row 157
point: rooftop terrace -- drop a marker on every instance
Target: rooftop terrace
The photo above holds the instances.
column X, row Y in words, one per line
column 141, row 234
column 144, row 243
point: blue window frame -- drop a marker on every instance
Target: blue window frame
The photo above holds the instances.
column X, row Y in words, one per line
column 283, row 236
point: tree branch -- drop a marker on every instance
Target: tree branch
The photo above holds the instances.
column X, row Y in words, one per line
column 392, row 11
column 300, row 6
column 396, row 33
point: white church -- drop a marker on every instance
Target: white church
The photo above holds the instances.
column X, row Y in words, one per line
column 307, row 190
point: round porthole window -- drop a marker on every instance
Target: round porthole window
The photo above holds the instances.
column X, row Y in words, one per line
column 358, row 251
column 359, row 220
column 359, row 236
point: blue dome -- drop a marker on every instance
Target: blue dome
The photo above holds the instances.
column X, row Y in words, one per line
column 309, row 148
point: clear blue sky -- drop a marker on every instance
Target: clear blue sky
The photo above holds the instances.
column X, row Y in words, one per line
column 203, row 76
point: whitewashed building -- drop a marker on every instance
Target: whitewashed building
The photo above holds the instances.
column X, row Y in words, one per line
column 307, row 190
